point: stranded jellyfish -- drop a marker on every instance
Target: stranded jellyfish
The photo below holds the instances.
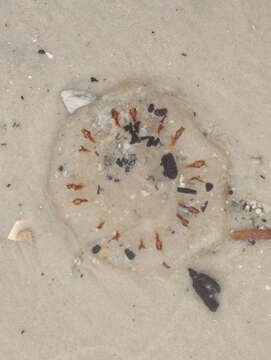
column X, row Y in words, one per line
column 136, row 181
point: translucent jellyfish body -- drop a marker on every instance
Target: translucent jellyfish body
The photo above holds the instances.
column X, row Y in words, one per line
column 137, row 182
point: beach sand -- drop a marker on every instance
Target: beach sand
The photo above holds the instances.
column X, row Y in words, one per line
column 215, row 55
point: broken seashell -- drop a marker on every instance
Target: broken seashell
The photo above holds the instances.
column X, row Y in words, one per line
column 20, row 233
column 74, row 99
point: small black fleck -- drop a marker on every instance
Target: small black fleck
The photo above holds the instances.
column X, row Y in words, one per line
column 263, row 177
column 96, row 153
column 194, row 113
column 81, row 276
column 42, row 52
column 22, row 97
column 150, row 108
column 96, row 249
column 184, row 54
column 42, row 274
column 99, row 189
column 153, row 32
column 252, row 241
column 93, row 79
column 116, row 180
column 136, row 126
column 209, row 186
column 61, row 168
column 22, row 332
column 129, row 253
column 264, row 220
column 160, row 112
column 8, row 185
column 186, row 190
column 170, row 167
column 204, row 206
column 230, row 191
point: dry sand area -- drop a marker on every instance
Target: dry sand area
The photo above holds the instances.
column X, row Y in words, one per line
column 96, row 246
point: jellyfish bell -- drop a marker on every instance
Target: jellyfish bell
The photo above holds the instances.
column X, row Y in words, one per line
column 133, row 181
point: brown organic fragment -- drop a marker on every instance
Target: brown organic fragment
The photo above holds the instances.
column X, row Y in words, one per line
column 101, row 224
column 116, row 235
column 74, row 186
column 178, row 133
column 161, row 125
column 115, row 117
column 79, row 201
column 191, row 209
column 158, row 242
column 141, row 245
column 133, row 114
column 196, row 164
column 87, row 135
column 183, row 220
column 82, row 148
column 256, row 234
column 198, row 178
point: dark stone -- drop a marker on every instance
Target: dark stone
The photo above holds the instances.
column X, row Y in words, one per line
column 186, row 190
column 129, row 253
column 204, row 206
column 96, row 249
column 61, row 168
column 150, row 108
column 160, row 112
column 170, row 167
column 42, row 52
column 209, row 186
column 93, row 79
column 207, row 289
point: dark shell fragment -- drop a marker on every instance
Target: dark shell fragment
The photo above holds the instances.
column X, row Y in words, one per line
column 209, row 186
column 160, row 112
column 129, row 253
column 207, row 289
column 186, row 190
column 170, row 167
column 96, row 249
column 150, row 108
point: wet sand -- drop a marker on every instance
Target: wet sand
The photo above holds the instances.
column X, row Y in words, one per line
column 215, row 55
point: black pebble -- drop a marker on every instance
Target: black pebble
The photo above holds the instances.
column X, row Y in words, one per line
column 160, row 112
column 129, row 253
column 61, row 168
column 208, row 186
column 184, row 54
column 22, row 97
column 96, row 249
column 204, row 206
column 93, row 79
column 8, row 185
column 150, row 108
column 42, row 52
column 230, row 191
column 186, row 190
column 170, row 167
column 207, row 289
column 252, row 241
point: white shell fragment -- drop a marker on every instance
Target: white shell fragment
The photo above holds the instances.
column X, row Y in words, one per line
column 20, row 233
column 139, row 185
column 74, row 99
